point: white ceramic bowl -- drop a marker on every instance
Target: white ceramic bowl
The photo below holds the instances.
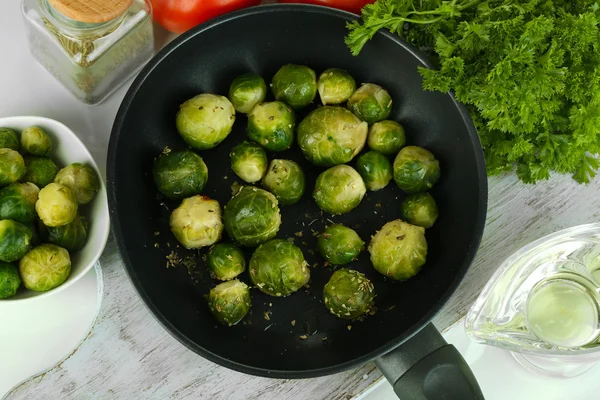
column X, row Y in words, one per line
column 67, row 149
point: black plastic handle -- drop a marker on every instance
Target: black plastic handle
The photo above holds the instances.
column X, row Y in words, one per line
column 426, row 367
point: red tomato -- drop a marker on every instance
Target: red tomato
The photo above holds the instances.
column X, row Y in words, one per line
column 354, row 6
column 180, row 15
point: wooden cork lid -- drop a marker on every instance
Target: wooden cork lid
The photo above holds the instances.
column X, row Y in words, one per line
column 91, row 11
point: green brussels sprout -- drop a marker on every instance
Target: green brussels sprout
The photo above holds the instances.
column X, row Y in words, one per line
column 339, row 244
column 35, row 141
column 252, row 216
column 179, row 174
column 81, row 179
column 246, row 91
column 272, row 125
column 335, row 86
column 17, row 202
column 197, row 222
column 71, row 236
column 205, row 121
column 416, row 169
column 398, row 250
column 225, row 261
column 331, row 135
column 278, row 268
column 375, row 169
column 229, row 302
column 249, row 161
column 386, row 137
column 15, row 240
column 56, row 205
column 295, row 85
column 420, row 209
column 339, row 189
column 9, row 139
column 348, row 294
column 45, row 267
column 12, row 167
column 9, row 280
column 285, row 180
column 371, row 103
column 39, row 170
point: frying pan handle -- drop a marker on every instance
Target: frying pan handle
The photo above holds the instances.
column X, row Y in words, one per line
column 426, row 367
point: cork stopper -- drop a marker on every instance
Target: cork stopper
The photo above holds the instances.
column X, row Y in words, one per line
column 91, row 11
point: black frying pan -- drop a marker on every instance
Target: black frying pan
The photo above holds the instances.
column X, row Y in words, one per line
column 262, row 39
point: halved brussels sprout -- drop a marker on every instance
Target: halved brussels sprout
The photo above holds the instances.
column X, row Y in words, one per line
column 386, row 137
column 15, row 240
column 295, row 85
column 35, row 141
column 71, row 236
column 197, row 222
column 205, row 121
column 331, row 135
column 272, row 125
column 339, row 244
column 12, row 167
column 45, row 267
column 420, row 209
column 371, row 103
column 9, row 280
column 375, row 169
column 225, row 261
column 246, row 91
column 229, row 302
column 285, row 180
column 17, row 202
column 179, row 174
column 56, row 205
column 81, row 179
column 416, row 169
column 349, row 294
column 39, row 170
column 249, row 161
column 252, row 216
column 335, row 86
column 339, row 189
column 278, row 268
column 398, row 250
column 9, row 139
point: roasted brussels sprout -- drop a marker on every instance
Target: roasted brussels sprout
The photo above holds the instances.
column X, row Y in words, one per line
column 339, row 244
column 9, row 280
column 249, row 161
column 285, row 180
column 9, row 139
column 71, row 236
column 39, row 170
column 17, row 202
column 56, row 205
column 15, row 240
column 335, row 86
column 371, row 103
column 420, row 209
column 348, row 294
column 278, row 268
column 386, row 137
column 225, row 261
column 339, row 189
column 229, row 302
column 45, row 267
column 12, row 167
column 272, row 125
column 246, row 91
column 35, row 141
column 416, row 169
column 197, row 222
column 81, row 179
column 295, row 85
column 252, row 216
column 331, row 135
column 205, row 121
column 398, row 250
column 375, row 169
column 179, row 174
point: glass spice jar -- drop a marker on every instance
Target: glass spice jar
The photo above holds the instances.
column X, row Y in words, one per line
column 91, row 46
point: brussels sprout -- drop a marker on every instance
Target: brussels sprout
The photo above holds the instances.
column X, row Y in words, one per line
column 339, row 244
column 9, row 139
column 246, row 91
column 348, row 294
column 285, row 180
column 229, row 302
column 371, row 103
column 416, row 169
column 249, row 161
column 12, row 166
column 252, row 216
column 17, row 202
column 71, row 236
column 225, row 261
column 197, row 222
column 335, row 86
column 39, row 170
column 56, row 205
column 45, row 267
column 81, row 179
column 278, row 268
column 295, row 85
column 375, row 169
column 398, row 250
column 205, row 121
column 339, row 189
column 35, row 141
column 179, row 174
column 331, row 135
column 386, row 137
column 15, row 240
column 420, row 209
column 9, row 280
column 272, row 125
